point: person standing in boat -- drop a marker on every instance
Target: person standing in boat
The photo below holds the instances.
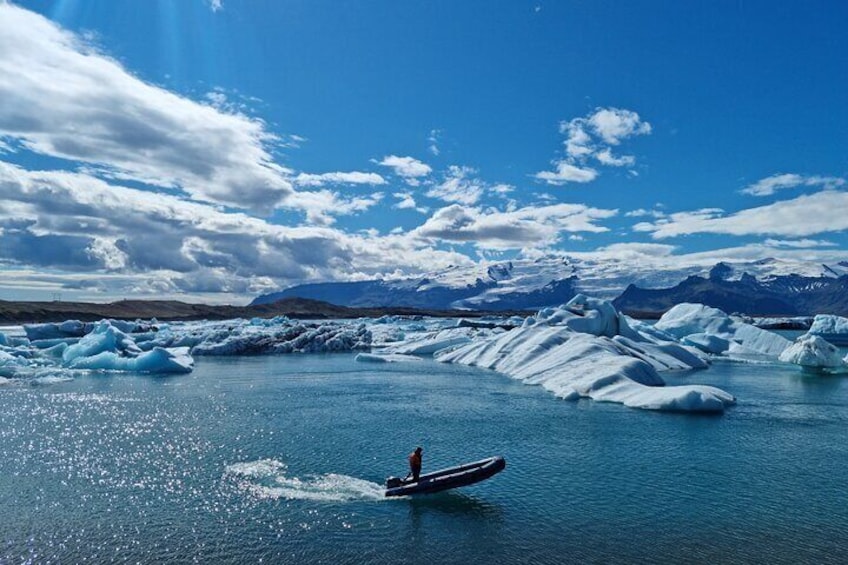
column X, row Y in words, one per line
column 415, row 464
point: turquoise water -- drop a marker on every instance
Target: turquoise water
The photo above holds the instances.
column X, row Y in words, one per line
column 280, row 459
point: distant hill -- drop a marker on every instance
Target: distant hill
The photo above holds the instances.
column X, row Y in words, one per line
column 35, row 312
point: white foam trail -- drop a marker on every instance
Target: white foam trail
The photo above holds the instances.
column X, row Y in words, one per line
column 266, row 478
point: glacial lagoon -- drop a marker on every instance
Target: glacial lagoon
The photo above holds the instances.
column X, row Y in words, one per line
column 281, row 458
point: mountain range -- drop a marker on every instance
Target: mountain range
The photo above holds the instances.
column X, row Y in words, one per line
column 768, row 287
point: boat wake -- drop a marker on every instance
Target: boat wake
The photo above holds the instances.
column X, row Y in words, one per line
column 267, row 479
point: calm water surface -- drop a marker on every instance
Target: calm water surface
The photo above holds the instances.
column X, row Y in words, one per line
column 280, row 459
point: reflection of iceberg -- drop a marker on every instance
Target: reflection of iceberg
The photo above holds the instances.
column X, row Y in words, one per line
column 587, row 349
column 267, row 478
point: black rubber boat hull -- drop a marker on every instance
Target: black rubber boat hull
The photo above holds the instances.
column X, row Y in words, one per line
column 445, row 479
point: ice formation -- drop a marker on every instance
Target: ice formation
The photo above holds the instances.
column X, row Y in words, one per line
column 813, row 352
column 385, row 358
column 587, row 349
column 713, row 331
column 151, row 347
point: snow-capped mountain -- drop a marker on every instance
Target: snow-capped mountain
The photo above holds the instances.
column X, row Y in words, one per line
column 767, row 286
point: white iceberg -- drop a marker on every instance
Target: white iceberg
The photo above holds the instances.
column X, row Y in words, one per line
column 429, row 343
column 813, row 352
column 289, row 337
column 828, row 324
column 385, row 358
column 586, row 349
column 699, row 325
column 832, row 328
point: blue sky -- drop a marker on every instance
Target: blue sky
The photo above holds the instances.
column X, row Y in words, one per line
column 215, row 150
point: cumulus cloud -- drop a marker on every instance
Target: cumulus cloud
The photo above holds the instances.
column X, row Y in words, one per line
column 408, row 168
column 770, row 185
column 81, row 224
column 354, row 177
column 799, row 217
column 590, row 138
column 406, row 201
column 515, row 229
column 322, row 206
column 459, row 186
column 63, row 98
column 566, row 172
column 614, row 124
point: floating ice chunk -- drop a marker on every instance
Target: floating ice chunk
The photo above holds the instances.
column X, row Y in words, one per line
column 157, row 361
column 104, row 338
column 573, row 365
column 431, row 342
column 4, row 341
column 707, row 342
column 828, row 324
column 290, row 337
column 685, row 320
column 813, row 352
column 385, row 358
column 832, row 328
column 10, row 364
column 68, row 328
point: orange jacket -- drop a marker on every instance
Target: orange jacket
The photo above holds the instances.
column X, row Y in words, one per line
column 415, row 461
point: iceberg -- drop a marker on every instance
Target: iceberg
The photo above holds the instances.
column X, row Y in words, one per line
column 813, row 352
column 713, row 331
column 431, row 342
column 385, row 358
column 587, row 349
column 104, row 338
column 832, row 328
column 156, row 361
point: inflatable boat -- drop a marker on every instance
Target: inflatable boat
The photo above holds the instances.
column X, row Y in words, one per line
column 454, row 477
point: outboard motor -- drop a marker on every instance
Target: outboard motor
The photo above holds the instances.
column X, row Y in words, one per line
column 393, row 482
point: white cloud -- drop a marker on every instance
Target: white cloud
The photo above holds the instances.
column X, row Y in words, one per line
column 406, row 201
column 642, row 212
column 566, row 172
column 458, row 186
column 501, row 189
column 605, row 157
column 354, row 177
column 322, row 206
column 522, row 227
column 770, row 185
column 615, row 124
column 409, row 168
column 799, row 217
column 76, row 225
column 434, row 142
column 591, row 137
column 63, row 98
column 798, row 243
